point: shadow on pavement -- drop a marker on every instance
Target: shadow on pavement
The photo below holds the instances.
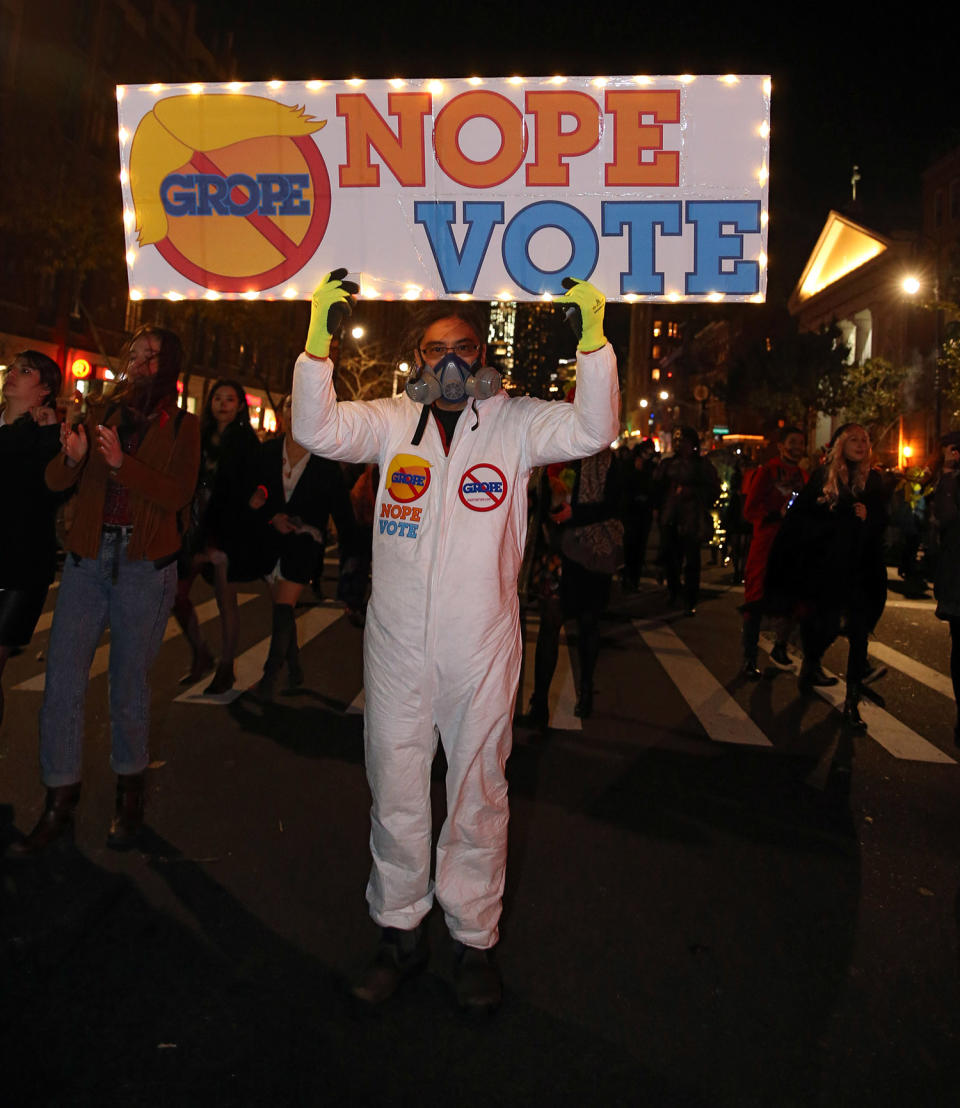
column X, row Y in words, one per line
column 107, row 1000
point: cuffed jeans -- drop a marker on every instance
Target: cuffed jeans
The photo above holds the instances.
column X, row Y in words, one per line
column 132, row 598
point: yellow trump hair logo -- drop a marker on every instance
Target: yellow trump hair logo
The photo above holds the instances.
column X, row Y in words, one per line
column 231, row 189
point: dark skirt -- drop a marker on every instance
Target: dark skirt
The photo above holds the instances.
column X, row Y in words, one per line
column 299, row 557
column 582, row 590
column 19, row 611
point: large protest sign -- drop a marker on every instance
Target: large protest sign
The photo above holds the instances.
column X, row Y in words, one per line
column 655, row 188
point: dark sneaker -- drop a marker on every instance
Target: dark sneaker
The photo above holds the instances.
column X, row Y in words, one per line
column 477, row 979
column 874, row 673
column 780, row 657
column 400, row 955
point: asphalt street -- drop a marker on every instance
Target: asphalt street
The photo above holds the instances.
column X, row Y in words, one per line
column 714, row 896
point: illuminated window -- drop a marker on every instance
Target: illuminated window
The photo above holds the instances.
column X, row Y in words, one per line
column 768, row 344
column 655, row 374
column 673, row 330
column 657, row 325
column 655, row 352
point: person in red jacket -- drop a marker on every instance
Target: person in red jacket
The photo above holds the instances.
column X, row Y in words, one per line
column 771, row 492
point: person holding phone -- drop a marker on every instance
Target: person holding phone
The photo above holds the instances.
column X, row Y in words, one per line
column 827, row 558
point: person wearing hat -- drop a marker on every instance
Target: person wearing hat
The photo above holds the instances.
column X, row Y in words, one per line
column 946, row 588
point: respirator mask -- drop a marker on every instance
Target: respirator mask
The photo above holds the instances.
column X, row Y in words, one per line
column 453, row 378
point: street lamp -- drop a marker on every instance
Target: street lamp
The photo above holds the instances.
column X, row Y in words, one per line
column 910, row 285
column 404, row 368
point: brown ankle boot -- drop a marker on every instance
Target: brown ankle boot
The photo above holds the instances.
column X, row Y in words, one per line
column 128, row 820
column 57, row 820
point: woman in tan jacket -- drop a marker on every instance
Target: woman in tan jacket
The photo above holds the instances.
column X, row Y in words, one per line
column 134, row 464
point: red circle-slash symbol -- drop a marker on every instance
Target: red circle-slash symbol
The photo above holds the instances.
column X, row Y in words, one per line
column 483, row 487
column 295, row 255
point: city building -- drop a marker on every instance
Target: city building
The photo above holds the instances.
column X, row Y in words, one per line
column 63, row 282
column 865, row 282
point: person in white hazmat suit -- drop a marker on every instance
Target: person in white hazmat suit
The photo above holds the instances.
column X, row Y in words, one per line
column 442, row 647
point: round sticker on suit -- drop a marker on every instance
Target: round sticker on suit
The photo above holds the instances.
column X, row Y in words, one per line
column 408, row 478
column 483, row 487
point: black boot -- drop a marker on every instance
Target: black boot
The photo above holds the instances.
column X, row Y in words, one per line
column 583, row 709
column 477, row 979
column 750, row 639
column 128, row 817
column 852, row 719
column 537, row 716
column 284, row 628
column 56, row 821
column 294, row 669
column 812, row 677
column 400, row 955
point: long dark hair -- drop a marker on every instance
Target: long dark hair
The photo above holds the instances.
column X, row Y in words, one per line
column 47, row 370
column 242, row 419
column 142, row 396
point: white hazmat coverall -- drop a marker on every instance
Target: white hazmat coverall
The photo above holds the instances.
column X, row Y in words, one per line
column 442, row 645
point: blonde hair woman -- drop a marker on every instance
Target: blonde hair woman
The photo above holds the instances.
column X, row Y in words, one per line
column 835, row 537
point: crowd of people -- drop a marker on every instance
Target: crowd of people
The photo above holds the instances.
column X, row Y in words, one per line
column 453, row 494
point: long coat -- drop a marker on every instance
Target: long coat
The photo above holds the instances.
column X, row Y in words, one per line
column 827, row 559
column 319, row 494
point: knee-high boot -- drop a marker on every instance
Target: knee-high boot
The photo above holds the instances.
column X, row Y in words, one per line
column 294, row 669
column 284, row 628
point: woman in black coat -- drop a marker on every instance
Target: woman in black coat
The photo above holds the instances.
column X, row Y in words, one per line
column 828, row 558
column 296, row 495
column 222, row 539
column 29, row 438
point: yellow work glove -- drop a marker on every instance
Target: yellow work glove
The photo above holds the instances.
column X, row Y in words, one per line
column 331, row 306
column 585, row 314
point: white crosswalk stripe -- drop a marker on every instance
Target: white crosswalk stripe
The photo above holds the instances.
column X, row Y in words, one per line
column 719, row 714
column 248, row 666
column 895, row 737
column 101, row 658
column 939, row 682
column 563, row 693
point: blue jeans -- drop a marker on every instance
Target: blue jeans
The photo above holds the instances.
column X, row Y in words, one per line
column 132, row 598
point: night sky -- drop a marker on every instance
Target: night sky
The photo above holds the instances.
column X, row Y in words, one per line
column 851, row 85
